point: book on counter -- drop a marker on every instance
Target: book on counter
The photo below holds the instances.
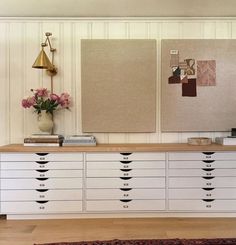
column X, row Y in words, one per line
column 43, row 140
column 79, row 140
column 229, row 140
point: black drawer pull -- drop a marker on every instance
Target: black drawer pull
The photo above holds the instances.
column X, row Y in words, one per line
column 41, row 162
column 126, row 170
column 125, row 178
column 208, row 200
column 42, row 202
column 125, row 189
column 208, row 153
column 125, row 153
column 125, row 162
column 208, row 177
column 208, row 189
column 208, row 169
column 41, row 170
column 124, row 200
column 41, row 190
column 208, row 161
column 41, row 179
column 41, row 154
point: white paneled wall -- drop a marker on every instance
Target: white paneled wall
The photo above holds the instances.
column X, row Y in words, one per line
column 20, row 41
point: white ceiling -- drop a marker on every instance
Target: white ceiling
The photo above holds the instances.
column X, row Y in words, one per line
column 117, row 8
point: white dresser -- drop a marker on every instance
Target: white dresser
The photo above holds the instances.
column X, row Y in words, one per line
column 41, row 183
column 125, row 181
column 118, row 180
column 202, row 181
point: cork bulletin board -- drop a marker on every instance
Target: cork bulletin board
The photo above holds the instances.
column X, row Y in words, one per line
column 198, row 90
column 118, row 85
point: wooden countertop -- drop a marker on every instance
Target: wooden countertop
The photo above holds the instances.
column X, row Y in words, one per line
column 162, row 147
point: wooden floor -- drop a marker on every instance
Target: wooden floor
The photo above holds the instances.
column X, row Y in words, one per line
column 29, row 232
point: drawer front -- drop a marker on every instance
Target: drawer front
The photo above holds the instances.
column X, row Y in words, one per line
column 203, row 193
column 41, row 173
column 41, row 165
column 41, row 157
column 133, row 205
column 125, row 193
column 157, row 182
column 202, row 156
column 41, row 208
column 125, row 164
column 200, row 205
column 41, row 195
column 188, row 182
column 125, row 172
column 203, row 164
column 44, row 183
column 139, row 156
column 202, row 172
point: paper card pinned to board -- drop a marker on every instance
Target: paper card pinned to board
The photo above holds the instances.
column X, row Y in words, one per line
column 206, row 73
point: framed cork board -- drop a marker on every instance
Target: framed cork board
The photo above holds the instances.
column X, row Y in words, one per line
column 198, row 85
column 118, row 85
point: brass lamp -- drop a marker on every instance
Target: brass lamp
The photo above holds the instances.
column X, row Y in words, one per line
column 43, row 62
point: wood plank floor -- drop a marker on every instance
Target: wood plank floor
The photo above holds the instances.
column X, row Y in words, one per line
column 28, row 232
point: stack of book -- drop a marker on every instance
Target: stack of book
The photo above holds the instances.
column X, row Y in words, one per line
column 44, row 140
column 80, row 140
column 230, row 140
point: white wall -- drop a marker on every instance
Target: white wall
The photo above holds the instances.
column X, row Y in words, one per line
column 20, row 41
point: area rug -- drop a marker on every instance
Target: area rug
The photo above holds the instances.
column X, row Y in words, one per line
column 218, row 241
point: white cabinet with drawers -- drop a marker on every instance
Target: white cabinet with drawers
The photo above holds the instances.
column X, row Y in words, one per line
column 41, row 183
column 202, row 181
column 125, row 182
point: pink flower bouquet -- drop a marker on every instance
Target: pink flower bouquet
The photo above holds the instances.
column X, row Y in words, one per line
column 42, row 99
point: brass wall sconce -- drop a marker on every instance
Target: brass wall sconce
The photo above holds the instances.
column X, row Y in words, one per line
column 43, row 62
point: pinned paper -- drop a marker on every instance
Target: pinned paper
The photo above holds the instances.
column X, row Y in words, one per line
column 206, row 73
column 174, row 58
column 189, row 89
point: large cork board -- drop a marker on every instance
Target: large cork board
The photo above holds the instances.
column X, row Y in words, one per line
column 208, row 105
column 118, row 85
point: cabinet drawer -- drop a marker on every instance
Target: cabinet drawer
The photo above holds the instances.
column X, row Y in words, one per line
column 185, row 182
column 125, row 164
column 157, row 182
column 202, row 193
column 44, row 183
column 200, row 205
column 125, row 172
column 139, row 156
column 133, row 205
column 41, row 208
column 41, row 165
column 125, row 193
column 41, row 157
column 202, row 172
column 41, row 173
column 38, row 195
column 203, row 164
column 202, row 156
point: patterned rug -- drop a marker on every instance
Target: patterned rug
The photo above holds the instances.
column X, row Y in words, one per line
column 218, row 241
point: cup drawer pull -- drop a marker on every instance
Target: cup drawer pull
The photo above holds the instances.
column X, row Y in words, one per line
column 208, row 200
column 208, row 169
column 208, row 178
column 42, row 202
column 208, row 153
column 125, row 178
column 208, row 189
column 124, row 200
column 125, row 189
column 125, row 162
column 208, row 161
column 41, row 179
column 41, row 190
column 41, row 170
column 41, row 162
column 126, row 170
column 125, row 153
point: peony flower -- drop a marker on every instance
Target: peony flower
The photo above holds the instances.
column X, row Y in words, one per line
column 54, row 97
column 41, row 92
column 64, row 100
column 27, row 103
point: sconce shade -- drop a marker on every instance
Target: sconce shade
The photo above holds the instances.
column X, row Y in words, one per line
column 42, row 61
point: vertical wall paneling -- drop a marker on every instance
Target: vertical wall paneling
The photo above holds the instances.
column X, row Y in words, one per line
column 20, row 43
column 4, row 83
column 17, row 76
